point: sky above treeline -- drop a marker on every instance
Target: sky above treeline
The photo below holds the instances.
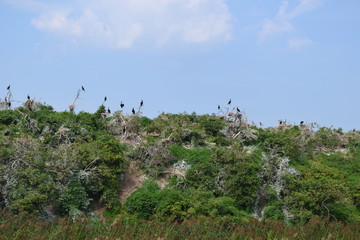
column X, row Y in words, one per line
column 281, row 59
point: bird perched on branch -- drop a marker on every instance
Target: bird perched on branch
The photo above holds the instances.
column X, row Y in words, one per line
column 302, row 122
column 141, row 103
column 218, row 107
column 8, row 88
column 82, row 88
column 109, row 110
column 229, row 102
column 133, row 111
column 28, row 97
column 122, row 105
column 237, row 109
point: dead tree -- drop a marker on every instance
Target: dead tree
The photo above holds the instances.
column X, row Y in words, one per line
column 72, row 106
column 6, row 103
column 29, row 104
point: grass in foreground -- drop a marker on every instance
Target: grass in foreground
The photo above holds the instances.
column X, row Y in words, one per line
column 24, row 227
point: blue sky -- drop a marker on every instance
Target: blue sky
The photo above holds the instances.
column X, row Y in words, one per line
column 279, row 59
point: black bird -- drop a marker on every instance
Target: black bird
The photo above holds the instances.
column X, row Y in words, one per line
column 237, row 109
column 82, row 88
column 7, row 133
column 124, row 130
column 28, row 97
column 229, row 102
column 280, row 122
column 122, row 105
column 109, row 110
column 302, row 122
column 8, row 88
column 218, row 107
column 141, row 103
column 133, row 111
column 105, row 98
column 9, row 104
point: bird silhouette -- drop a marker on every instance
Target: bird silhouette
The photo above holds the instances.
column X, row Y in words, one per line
column 302, row 122
column 28, row 97
column 280, row 122
column 122, row 105
column 133, row 111
column 141, row 103
column 229, row 102
column 105, row 98
column 8, row 88
column 237, row 109
column 82, row 88
column 7, row 133
column 9, row 104
column 109, row 110
column 218, row 107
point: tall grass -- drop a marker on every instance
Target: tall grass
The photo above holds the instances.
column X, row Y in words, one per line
column 25, row 227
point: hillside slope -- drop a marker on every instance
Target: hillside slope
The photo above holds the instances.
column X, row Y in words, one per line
column 176, row 166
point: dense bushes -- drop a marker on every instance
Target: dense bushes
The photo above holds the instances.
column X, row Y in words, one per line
column 64, row 163
column 57, row 161
column 173, row 204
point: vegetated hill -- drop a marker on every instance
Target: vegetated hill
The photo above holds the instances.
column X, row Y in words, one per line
column 176, row 166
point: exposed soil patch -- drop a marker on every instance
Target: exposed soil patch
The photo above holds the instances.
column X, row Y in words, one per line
column 132, row 180
column 134, row 177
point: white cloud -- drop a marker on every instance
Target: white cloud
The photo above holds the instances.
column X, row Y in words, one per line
column 271, row 27
column 121, row 24
column 281, row 23
column 298, row 43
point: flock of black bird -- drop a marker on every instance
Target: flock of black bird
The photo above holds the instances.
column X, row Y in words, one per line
column 122, row 105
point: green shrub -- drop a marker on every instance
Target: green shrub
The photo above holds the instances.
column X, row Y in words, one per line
column 171, row 204
column 73, row 198
column 286, row 142
column 191, row 156
column 143, row 201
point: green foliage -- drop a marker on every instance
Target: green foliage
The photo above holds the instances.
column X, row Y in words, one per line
column 202, row 203
column 8, row 117
column 273, row 210
column 211, row 125
column 285, row 143
column 70, row 162
column 57, row 159
column 321, row 191
column 242, row 180
column 184, row 128
column 329, row 138
column 143, row 201
column 172, row 204
column 32, row 190
column 73, row 198
column 191, row 156
column 144, row 122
